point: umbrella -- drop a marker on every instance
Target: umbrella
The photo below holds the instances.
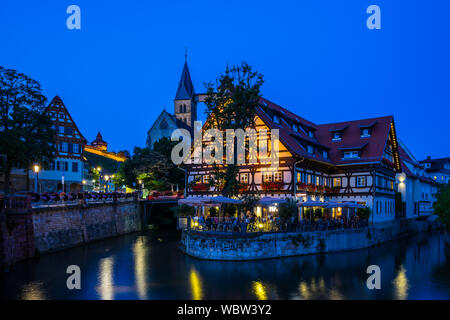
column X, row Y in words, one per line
column 311, row 203
column 221, row 200
column 191, row 201
column 267, row 201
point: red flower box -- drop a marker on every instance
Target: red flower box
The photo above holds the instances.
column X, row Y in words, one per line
column 243, row 188
column 311, row 187
column 200, row 187
column 272, row 185
column 301, row 186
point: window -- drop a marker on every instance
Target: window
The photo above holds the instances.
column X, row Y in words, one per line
column 205, row 178
column 318, row 181
column 365, row 132
column 61, row 130
column 76, row 148
column 310, row 149
column 74, row 166
column 325, row 155
column 311, row 134
column 309, row 178
column 278, row 176
column 295, row 127
column 244, row 178
column 427, row 165
column 351, row 154
column 267, row 177
column 276, row 118
column 64, row 147
column 62, row 166
column 337, row 135
column 337, row 182
column 361, row 181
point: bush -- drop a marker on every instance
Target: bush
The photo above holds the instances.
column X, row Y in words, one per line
column 288, row 209
column 363, row 213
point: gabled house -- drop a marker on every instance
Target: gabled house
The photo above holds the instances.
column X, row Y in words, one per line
column 65, row 173
column 347, row 161
column 437, row 169
column 417, row 189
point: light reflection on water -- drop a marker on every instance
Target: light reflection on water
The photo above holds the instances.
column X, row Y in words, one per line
column 139, row 267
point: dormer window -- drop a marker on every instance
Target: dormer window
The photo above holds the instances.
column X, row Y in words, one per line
column 351, row 154
column 427, row 165
column 325, row 155
column 311, row 133
column 310, row 149
column 337, row 135
column 365, row 132
column 295, row 127
column 276, row 118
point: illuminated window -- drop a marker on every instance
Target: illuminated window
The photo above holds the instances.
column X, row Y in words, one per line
column 278, row 176
column 267, row 176
column 244, row 178
column 318, row 181
column 206, row 178
column 337, row 182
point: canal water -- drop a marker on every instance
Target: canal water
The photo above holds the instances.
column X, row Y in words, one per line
column 150, row 266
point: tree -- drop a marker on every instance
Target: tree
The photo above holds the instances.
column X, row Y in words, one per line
column 26, row 133
column 231, row 103
column 442, row 205
column 155, row 170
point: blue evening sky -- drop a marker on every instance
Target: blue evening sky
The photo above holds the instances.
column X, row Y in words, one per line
column 318, row 57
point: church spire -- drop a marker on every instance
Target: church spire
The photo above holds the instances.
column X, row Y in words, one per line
column 185, row 88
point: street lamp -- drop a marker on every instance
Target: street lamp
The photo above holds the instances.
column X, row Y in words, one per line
column 106, row 183
column 36, row 171
column 99, row 169
column 84, row 183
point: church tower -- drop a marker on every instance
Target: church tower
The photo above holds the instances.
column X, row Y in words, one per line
column 185, row 103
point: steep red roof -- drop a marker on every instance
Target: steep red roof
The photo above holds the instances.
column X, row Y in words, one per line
column 372, row 147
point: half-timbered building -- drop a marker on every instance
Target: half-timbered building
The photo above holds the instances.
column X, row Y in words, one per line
column 66, row 172
column 346, row 161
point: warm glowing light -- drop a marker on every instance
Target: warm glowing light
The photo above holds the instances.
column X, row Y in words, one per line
column 105, row 278
column 84, row 181
column 260, row 225
column 259, row 290
column 196, row 285
column 140, row 181
column 106, row 177
column 401, row 284
column 33, row 291
column 36, row 168
column 140, row 253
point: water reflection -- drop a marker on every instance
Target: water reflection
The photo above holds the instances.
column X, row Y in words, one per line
column 401, row 284
column 105, row 278
column 33, row 291
column 140, row 253
column 140, row 267
column 196, row 285
column 259, row 290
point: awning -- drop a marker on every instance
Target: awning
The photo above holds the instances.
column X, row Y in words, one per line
column 267, row 201
column 208, row 201
column 311, row 203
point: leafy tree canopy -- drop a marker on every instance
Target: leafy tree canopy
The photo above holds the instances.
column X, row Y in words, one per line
column 26, row 133
column 231, row 103
column 442, row 205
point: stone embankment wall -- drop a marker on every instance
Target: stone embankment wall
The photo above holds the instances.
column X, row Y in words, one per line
column 29, row 231
column 63, row 227
column 211, row 246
